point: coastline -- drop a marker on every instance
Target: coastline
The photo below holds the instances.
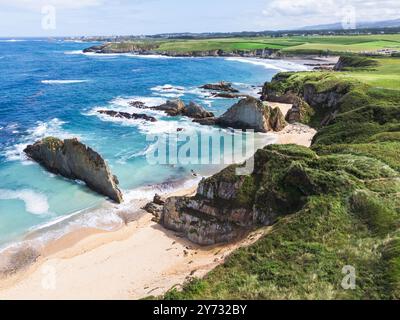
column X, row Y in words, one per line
column 135, row 261
column 96, row 252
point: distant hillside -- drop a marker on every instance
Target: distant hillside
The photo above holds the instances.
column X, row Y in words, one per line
column 361, row 25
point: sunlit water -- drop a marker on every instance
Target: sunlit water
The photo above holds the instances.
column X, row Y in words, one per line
column 52, row 89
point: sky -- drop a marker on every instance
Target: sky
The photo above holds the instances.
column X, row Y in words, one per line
column 43, row 18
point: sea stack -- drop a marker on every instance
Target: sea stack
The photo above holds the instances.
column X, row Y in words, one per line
column 74, row 160
column 251, row 113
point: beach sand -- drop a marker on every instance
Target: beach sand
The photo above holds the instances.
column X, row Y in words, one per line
column 140, row 260
column 294, row 133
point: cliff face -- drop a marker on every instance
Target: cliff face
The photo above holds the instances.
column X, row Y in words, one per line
column 148, row 49
column 73, row 160
column 334, row 205
column 227, row 206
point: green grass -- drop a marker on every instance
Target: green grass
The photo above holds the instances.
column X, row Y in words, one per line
column 385, row 75
column 287, row 45
column 333, row 205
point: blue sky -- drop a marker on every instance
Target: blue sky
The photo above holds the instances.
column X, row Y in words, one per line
column 110, row 17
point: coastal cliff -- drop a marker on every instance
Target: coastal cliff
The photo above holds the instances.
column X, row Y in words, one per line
column 334, row 205
column 73, row 160
column 149, row 48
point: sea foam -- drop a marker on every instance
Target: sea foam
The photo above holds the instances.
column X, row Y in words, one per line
column 39, row 131
column 280, row 65
column 62, row 81
column 35, row 203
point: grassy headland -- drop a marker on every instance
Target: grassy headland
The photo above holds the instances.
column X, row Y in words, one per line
column 336, row 204
column 285, row 45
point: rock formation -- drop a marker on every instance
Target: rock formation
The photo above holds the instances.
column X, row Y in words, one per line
column 251, row 113
column 172, row 107
column 74, row 160
column 228, row 95
column 222, row 86
column 178, row 108
column 196, row 111
column 126, row 115
column 300, row 112
column 137, row 104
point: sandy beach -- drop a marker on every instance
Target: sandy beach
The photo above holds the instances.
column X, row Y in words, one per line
column 139, row 260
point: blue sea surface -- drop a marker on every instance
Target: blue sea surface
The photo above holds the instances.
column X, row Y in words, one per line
column 49, row 88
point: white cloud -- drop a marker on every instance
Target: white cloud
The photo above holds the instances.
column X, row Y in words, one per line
column 307, row 12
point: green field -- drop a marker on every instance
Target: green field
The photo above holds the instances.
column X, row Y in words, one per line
column 385, row 75
column 289, row 45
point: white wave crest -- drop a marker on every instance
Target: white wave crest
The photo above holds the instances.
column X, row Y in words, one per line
column 62, row 81
column 40, row 131
column 35, row 203
column 280, row 65
column 13, row 40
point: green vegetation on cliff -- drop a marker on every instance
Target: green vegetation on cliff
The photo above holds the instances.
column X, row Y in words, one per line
column 286, row 45
column 335, row 205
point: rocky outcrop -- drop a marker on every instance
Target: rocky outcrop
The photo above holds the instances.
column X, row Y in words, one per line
column 126, row 115
column 211, row 216
column 178, row 215
column 172, row 107
column 252, row 113
column 222, row 86
column 351, row 62
column 74, row 160
column 175, row 108
column 327, row 99
column 301, row 112
column 228, row 95
column 137, row 104
column 277, row 120
column 196, row 111
column 206, row 121
column 307, row 96
column 152, row 48
column 228, row 205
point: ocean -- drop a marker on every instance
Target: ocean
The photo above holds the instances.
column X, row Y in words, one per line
column 50, row 88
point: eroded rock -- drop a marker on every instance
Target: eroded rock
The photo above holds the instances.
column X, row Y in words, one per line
column 222, row 86
column 74, row 160
column 126, row 115
column 252, row 113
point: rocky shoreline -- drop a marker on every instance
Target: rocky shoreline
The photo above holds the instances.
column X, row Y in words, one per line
column 315, row 62
column 132, row 49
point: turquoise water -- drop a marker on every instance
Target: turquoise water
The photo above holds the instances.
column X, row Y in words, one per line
column 52, row 89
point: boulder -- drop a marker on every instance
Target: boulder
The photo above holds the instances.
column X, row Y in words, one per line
column 196, row 111
column 251, row 113
column 74, row 160
column 222, row 86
